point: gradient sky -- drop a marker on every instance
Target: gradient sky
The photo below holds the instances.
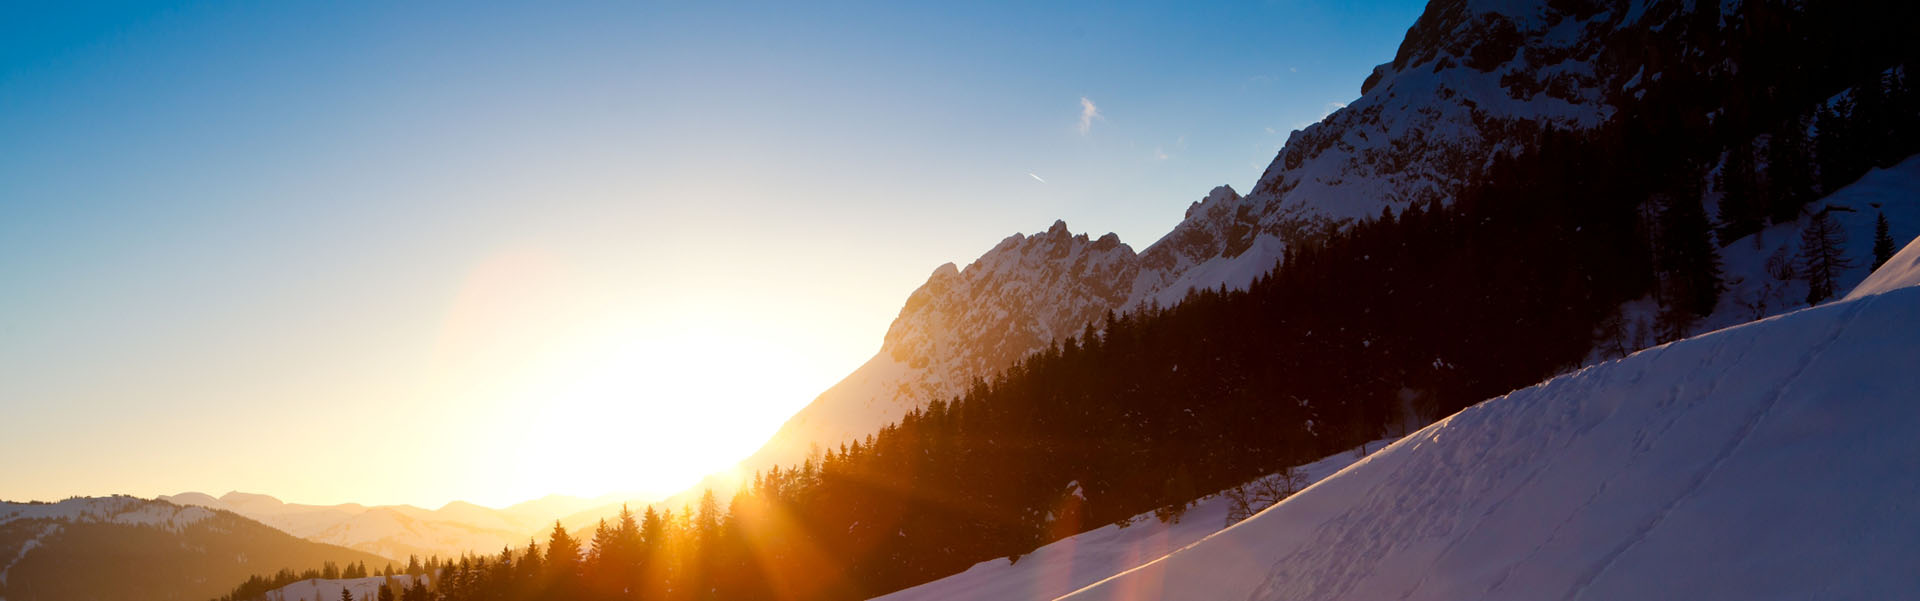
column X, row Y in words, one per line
column 417, row 252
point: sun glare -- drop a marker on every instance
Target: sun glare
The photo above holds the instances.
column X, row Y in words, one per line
column 656, row 411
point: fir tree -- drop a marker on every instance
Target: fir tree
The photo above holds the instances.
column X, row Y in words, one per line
column 1789, row 171
column 563, row 555
column 1883, row 247
column 1834, row 146
column 1822, row 256
column 1689, row 264
column 1740, row 207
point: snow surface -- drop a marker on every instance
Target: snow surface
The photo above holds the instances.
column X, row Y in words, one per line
column 1076, row 561
column 1773, row 460
column 322, row 589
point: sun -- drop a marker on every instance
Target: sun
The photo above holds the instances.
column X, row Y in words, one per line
column 654, row 411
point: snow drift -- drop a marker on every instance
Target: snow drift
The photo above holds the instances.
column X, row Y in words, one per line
column 1773, row 460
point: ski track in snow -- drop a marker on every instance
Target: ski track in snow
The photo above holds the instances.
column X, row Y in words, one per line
column 1746, row 431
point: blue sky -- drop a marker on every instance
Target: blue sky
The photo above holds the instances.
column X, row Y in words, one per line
column 396, row 230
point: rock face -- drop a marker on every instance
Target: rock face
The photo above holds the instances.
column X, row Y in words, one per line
column 965, row 324
column 1474, row 79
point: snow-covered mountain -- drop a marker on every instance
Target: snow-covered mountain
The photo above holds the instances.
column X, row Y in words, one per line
column 396, row 531
column 1473, row 80
column 1772, row 460
column 150, row 550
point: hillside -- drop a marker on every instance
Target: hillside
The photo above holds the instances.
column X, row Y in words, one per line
column 151, row 549
column 1765, row 461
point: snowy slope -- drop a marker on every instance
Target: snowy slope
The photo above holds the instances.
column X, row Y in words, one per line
column 1773, row 460
column 323, row 589
column 1079, row 560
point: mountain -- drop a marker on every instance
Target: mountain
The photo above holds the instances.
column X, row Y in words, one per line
column 965, row 324
column 1770, row 460
column 1473, row 81
column 396, row 531
column 130, row 548
column 548, row 508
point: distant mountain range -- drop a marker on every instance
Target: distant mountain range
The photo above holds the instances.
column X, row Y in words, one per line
column 129, row 548
column 399, row 531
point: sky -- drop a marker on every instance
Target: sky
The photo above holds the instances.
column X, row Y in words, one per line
column 419, row 252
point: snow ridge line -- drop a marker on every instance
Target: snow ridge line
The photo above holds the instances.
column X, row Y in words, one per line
column 1740, row 439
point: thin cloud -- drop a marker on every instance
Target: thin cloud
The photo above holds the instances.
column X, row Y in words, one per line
column 1088, row 113
column 1159, row 154
column 1035, row 177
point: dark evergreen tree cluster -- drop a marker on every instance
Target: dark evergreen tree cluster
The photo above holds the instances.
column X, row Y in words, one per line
column 1836, row 100
column 258, row 586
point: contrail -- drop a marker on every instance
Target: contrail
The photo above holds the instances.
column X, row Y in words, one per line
column 1036, row 177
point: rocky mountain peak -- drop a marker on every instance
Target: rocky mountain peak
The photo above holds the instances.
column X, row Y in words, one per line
column 1022, row 294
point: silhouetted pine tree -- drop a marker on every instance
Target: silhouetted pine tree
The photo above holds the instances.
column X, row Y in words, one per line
column 1835, row 148
column 1822, row 256
column 1789, row 181
column 1741, row 210
column 563, row 562
column 1689, row 265
column 1883, row 247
